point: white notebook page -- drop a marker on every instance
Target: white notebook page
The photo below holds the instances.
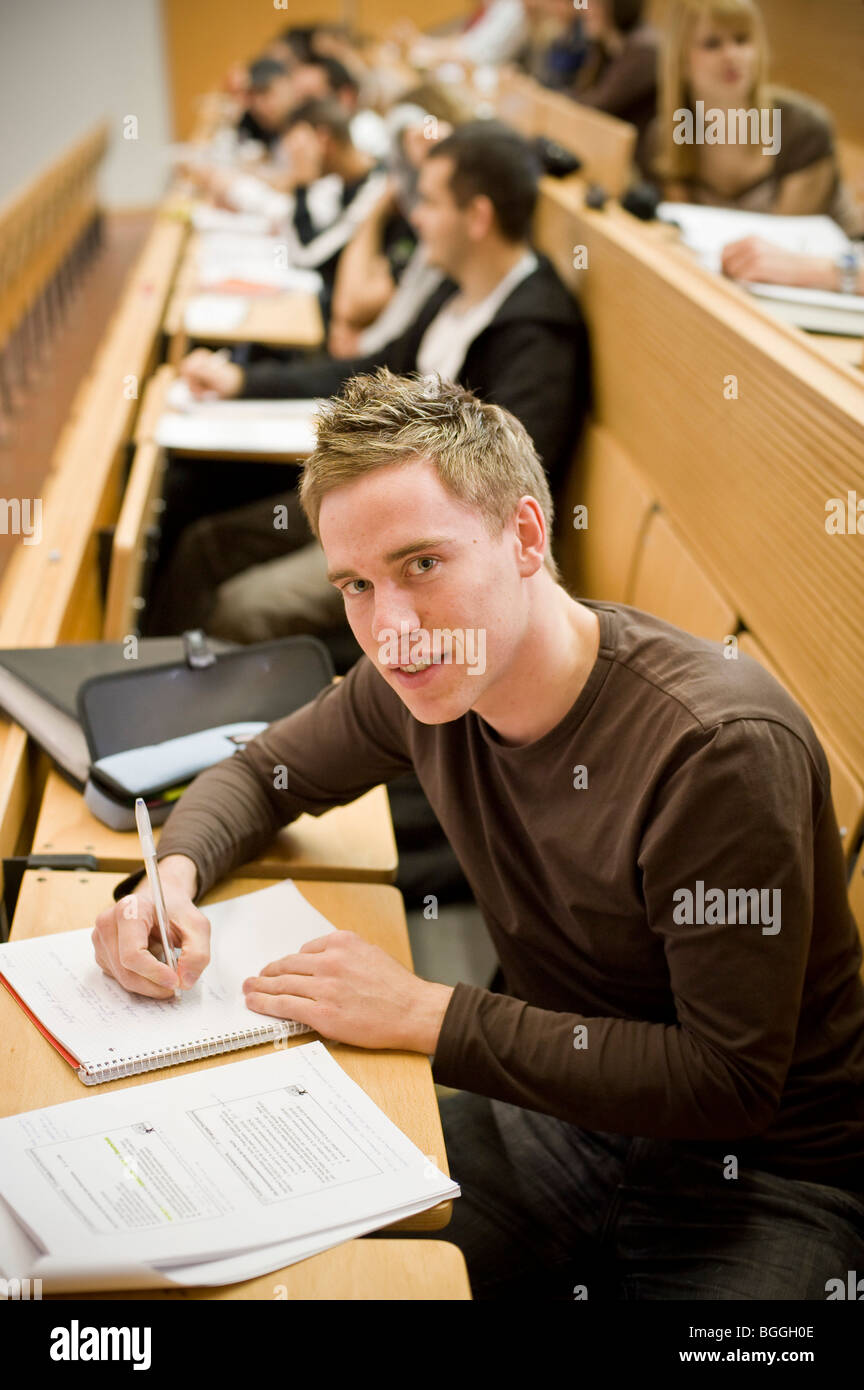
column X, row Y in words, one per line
column 98, row 1021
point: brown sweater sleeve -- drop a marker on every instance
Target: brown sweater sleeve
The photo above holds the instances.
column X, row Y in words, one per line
column 738, row 812
column 347, row 740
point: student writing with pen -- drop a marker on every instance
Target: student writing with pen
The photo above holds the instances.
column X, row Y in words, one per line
column 599, row 772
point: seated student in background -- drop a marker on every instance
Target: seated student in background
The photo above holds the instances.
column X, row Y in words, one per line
column 322, row 78
column 663, row 1100
column 292, row 45
column 494, row 33
column 333, row 187
column 383, row 278
column 619, row 74
column 502, row 325
column 716, row 54
column 556, row 45
column 269, row 98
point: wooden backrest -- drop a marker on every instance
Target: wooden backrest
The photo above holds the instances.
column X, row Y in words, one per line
column 847, row 792
column 669, row 582
column 41, row 223
column 743, row 430
column 140, row 511
column 597, row 558
column 604, row 143
column 50, row 593
column 856, row 894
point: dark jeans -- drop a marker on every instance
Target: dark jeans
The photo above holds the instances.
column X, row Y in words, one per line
column 200, row 551
column 547, row 1207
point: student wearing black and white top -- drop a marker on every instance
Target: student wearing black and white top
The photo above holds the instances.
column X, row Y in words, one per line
column 269, row 99
column 332, row 188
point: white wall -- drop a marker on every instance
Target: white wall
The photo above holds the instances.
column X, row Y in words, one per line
column 66, row 64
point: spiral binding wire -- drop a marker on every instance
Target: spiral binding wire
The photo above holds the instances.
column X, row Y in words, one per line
column 94, row 1073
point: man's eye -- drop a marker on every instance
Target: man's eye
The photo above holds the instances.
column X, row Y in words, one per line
column 426, row 562
column 351, row 586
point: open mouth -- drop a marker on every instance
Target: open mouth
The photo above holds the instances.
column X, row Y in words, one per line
column 415, row 672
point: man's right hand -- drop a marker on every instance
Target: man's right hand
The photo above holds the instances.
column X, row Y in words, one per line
column 125, row 933
column 208, row 373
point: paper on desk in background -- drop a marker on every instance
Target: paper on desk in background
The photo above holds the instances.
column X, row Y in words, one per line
column 708, row 230
column 222, row 1174
column 236, row 427
column 214, row 313
column 208, row 219
column 225, row 244
column 257, row 270
column 820, row 311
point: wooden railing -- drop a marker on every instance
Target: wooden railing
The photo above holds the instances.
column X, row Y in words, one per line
column 46, row 233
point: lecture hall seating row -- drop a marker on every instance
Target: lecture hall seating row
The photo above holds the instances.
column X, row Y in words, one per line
column 719, row 436
column 50, row 592
column 47, row 230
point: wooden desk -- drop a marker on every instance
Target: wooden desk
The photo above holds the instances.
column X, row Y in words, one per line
column 390, row 1270
column 353, row 842
column 742, row 427
column 399, row 1082
column 291, row 319
column 843, row 352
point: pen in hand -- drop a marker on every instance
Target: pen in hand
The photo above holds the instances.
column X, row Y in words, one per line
column 148, row 852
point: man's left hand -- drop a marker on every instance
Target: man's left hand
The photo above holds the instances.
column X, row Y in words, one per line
column 353, row 992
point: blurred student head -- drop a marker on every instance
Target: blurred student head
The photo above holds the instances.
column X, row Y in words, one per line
column 317, row 134
column 294, row 45
column 269, row 93
column 476, row 188
column 716, row 52
column 604, row 18
column 412, row 132
column 322, row 77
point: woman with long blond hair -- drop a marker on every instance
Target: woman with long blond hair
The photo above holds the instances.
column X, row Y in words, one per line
column 716, row 60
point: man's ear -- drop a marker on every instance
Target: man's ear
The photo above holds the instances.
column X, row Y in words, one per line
column 530, row 535
column 481, row 216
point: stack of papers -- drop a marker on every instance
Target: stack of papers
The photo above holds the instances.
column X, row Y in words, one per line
column 820, row 311
column 708, row 230
column 258, row 260
column 271, row 427
column 221, row 1175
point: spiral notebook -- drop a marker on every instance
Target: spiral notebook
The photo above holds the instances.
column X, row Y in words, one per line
column 105, row 1032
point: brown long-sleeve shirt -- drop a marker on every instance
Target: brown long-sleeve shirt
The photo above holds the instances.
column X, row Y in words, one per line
column 674, row 768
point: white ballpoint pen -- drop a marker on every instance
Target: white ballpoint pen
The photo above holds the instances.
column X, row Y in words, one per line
column 148, row 851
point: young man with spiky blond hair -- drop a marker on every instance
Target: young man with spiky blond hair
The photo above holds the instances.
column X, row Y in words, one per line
column 650, row 1106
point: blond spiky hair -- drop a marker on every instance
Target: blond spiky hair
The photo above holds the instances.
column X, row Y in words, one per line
column 484, row 455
